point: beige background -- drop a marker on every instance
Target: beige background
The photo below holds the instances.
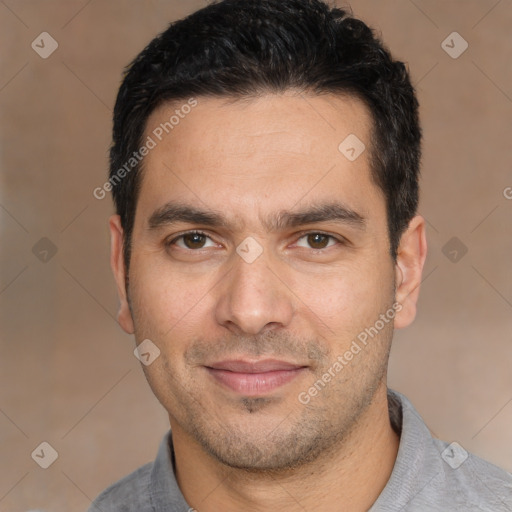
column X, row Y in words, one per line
column 68, row 374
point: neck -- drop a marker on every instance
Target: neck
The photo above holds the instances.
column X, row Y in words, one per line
column 353, row 474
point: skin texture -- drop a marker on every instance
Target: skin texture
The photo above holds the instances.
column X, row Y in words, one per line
column 303, row 300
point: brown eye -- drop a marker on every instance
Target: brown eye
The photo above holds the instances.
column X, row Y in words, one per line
column 318, row 241
column 191, row 241
column 194, row 240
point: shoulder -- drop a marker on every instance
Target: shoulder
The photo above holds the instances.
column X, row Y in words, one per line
column 131, row 493
column 475, row 483
column 431, row 474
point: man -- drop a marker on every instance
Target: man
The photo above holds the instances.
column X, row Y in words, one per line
column 265, row 170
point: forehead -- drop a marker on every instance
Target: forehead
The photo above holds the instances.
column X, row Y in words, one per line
column 254, row 154
column 289, row 122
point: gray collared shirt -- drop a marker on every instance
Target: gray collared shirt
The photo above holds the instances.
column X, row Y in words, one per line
column 429, row 475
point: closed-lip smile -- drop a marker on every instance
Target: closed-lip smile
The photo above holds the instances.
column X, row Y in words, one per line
column 254, row 378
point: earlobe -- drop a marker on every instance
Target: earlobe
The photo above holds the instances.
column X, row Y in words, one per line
column 411, row 257
column 124, row 316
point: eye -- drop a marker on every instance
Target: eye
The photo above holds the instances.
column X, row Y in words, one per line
column 318, row 240
column 192, row 240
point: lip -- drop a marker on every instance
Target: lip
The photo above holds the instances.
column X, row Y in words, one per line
column 254, row 378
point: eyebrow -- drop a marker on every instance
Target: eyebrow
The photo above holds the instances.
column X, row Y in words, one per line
column 172, row 213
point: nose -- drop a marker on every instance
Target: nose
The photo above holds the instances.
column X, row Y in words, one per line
column 253, row 299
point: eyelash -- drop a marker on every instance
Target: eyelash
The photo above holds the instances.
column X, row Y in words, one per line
column 340, row 240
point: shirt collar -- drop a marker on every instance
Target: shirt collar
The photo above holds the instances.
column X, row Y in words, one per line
column 164, row 492
column 417, row 462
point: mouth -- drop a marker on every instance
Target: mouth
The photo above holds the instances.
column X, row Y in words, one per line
column 254, row 378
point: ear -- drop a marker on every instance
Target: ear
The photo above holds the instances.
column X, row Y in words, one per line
column 411, row 255
column 124, row 316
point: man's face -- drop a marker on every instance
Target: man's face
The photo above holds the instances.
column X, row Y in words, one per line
column 251, row 312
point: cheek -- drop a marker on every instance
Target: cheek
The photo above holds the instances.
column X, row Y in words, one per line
column 347, row 298
column 167, row 303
